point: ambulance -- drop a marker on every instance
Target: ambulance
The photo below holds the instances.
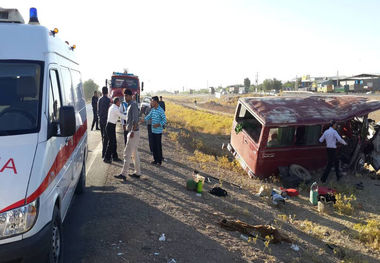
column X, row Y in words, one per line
column 43, row 138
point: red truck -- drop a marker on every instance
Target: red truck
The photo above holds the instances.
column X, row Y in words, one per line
column 121, row 81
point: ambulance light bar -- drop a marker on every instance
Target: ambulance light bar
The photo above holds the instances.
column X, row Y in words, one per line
column 10, row 16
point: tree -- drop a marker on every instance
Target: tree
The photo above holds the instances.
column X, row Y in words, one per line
column 272, row 84
column 247, row 84
column 289, row 85
column 89, row 86
column 277, row 84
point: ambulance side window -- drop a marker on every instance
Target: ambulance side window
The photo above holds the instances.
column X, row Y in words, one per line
column 55, row 101
column 67, row 87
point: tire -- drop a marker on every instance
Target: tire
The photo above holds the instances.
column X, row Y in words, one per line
column 359, row 163
column 81, row 185
column 56, row 240
column 300, row 172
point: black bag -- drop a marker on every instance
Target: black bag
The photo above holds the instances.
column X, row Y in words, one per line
column 218, row 191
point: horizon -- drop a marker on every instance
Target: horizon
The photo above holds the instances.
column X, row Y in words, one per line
column 199, row 44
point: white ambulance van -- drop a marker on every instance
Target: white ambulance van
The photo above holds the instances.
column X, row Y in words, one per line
column 43, row 138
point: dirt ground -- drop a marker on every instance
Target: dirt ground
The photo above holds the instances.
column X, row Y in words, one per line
column 131, row 215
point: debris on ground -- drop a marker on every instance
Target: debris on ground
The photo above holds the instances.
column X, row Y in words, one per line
column 290, row 191
column 218, row 191
column 278, row 197
column 286, row 179
column 191, row 185
column 314, row 193
column 263, row 191
column 196, row 184
column 359, row 186
column 325, row 207
column 244, row 237
column 295, row 247
column 250, row 230
column 162, row 238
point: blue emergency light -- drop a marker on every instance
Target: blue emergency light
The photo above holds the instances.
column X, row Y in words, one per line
column 33, row 18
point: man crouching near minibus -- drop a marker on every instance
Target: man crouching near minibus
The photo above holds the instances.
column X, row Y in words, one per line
column 331, row 136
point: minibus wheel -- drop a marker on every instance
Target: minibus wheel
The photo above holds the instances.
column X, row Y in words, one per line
column 301, row 172
column 56, row 241
column 359, row 164
column 82, row 180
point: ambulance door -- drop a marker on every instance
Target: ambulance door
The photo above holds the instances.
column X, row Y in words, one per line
column 68, row 100
column 57, row 148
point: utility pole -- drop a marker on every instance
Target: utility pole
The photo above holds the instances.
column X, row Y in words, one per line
column 257, row 80
column 337, row 78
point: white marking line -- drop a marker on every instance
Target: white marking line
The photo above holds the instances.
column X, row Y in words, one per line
column 92, row 157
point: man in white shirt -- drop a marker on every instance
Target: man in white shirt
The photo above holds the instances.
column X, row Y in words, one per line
column 331, row 137
column 113, row 115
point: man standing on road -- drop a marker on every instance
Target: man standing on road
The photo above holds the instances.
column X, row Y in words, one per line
column 162, row 103
column 149, row 127
column 103, row 105
column 157, row 115
column 133, row 138
column 331, row 136
column 113, row 116
column 94, row 104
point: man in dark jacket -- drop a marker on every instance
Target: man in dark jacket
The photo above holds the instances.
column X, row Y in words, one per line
column 94, row 104
column 162, row 103
column 103, row 105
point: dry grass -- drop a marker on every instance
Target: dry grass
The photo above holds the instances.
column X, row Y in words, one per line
column 344, row 204
column 369, row 233
column 311, row 228
column 198, row 121
column 222, row 162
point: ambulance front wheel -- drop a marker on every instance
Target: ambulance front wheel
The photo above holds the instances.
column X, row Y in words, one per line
column 56, row 241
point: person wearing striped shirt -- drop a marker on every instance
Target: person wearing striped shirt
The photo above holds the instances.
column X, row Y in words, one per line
column 158, row 118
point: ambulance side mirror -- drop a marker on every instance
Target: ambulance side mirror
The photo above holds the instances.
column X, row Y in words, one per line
column 142, row 86
column 67, row 123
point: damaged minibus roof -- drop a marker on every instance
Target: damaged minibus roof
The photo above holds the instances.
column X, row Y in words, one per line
column 309, row 110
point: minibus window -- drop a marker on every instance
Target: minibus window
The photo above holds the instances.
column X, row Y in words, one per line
column 280, row 137
column 308, row 135
column 20, row 97
column 250, row 124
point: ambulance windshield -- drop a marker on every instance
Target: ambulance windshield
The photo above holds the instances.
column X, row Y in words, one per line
column 20, row 92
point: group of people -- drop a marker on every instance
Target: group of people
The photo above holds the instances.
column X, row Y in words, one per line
column 108, row 112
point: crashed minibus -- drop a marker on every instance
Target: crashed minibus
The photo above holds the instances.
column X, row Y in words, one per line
column 272, row 132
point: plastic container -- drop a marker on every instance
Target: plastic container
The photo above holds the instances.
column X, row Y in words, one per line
column 199, row 186
column 314, row 193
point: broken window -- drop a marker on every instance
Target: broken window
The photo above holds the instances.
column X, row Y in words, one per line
column 308, row 135
column 249, row 123
column 282, row 136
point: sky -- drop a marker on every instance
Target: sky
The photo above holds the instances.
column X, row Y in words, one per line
column 194, row 44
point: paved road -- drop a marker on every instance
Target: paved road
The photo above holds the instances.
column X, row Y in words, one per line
column 82, row 207
column 121, row 221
